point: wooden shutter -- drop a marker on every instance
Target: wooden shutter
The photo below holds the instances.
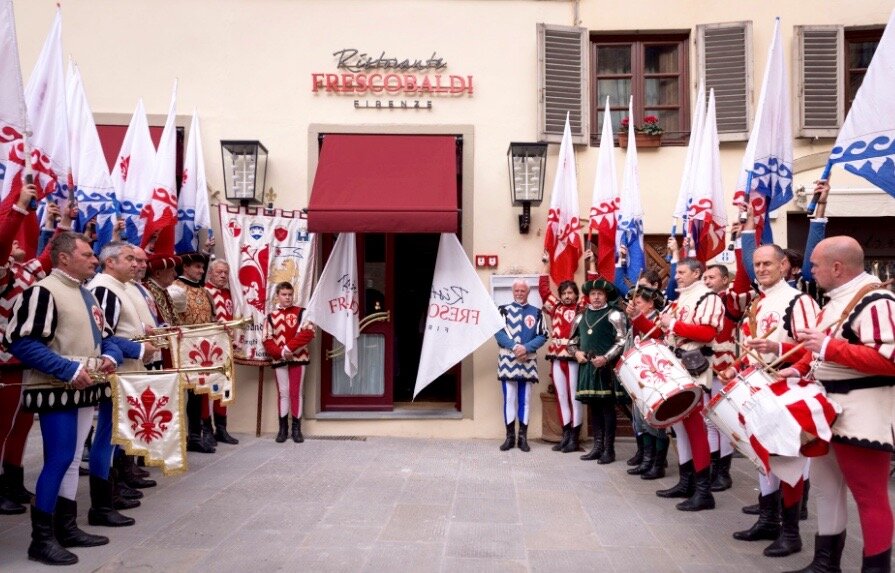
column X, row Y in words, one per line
column 725, row 63
column 562, row 82
column 818, row 71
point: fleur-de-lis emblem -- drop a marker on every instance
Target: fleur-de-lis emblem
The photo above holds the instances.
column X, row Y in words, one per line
column 654, row 370
column 148, row 416
column 207, row 354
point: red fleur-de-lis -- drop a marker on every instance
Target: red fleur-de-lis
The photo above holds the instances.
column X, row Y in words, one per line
column 206, row 354
column 654, row 370
column 148, row 416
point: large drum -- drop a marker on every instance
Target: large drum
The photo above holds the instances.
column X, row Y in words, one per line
column 660, row 387
column 727, row 408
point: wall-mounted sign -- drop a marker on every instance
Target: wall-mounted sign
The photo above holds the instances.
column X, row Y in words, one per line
column 383, row 82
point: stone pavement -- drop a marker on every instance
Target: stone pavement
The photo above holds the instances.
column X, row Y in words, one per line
column 402, row 504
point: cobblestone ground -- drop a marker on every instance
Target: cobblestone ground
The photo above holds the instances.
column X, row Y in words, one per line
column 399, row 504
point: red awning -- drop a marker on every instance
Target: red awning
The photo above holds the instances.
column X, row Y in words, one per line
column 385, row 184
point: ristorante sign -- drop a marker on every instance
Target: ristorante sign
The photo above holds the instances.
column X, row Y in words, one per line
column 384, row 82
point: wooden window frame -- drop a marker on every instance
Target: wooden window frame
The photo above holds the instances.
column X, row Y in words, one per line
column 854, row 36
column 638, row 42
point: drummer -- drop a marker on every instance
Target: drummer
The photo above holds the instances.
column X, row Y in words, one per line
column 773, row 322
column 688, row 326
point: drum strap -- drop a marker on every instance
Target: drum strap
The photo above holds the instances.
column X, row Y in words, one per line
column 846, row 386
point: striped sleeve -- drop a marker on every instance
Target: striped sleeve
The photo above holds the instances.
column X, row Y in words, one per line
column 34, row 316
column 875, row 327
column 804, row 315
column 710, row 312
column 111, row 305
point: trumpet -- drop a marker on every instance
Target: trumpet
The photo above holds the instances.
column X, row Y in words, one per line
column 166, row 331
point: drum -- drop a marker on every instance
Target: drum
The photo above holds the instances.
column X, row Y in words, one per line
column 727, row 408
column 660, row 387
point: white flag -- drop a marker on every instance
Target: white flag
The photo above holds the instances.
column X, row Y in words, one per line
column 461, row 315
column 697, row 124
column 132, row 173
column 866, row 143
column 630, row 214
column 160, row 213
column 562, row 241
column 192, row 205
column 605, row 201
column 334, row 305
column 707, row 215
column 12, row 100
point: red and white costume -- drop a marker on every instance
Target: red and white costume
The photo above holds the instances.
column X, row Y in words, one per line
column 856, row 365
column 564, row 368
column 222, row 310
column 286, row 342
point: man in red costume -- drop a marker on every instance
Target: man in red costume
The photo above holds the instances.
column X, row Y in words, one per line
column 217, row 283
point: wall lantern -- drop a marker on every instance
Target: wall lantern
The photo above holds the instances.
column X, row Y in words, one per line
column 245, row 170
column 527, row 163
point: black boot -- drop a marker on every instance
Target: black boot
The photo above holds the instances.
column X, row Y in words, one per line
column 14, row 479
column 44, row 546
column 284, row 430
column 637, row 458
column 789, row 541
column 220, row 431
column 102, row 511
column 65, row 526
column 511, row 437
column 141, row 471
column 827, row 554
column 657, row 470
column 522, row 442
column 702, row 498
column 648, row 449
column 296, row 430
column 879, row 563
column 196, row 444
column 7, row 505
column 566, row 430
column 686, row 484
column 596, row 450
column 753, row 509
column 574, row 440
column 208, row 435
column 721, row 474
column 127, row 473
column 123, row 497
column 803, row 514
column 608, row 441
column 768, row 524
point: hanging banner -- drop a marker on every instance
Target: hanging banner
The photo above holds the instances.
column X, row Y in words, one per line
column 206, row 349
column 150, row 419
column 264, row 247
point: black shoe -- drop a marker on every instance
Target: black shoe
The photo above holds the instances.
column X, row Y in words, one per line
column 596, row 450
column 284, row 430
column 220, row 431
column 44, row 546
column 296, row 431
column 702, row 498
column 637, row 458
column 65, row 526
column 208, row 435
column 574, row 440
column 9, row 507
column 102, row 512
column 566, row 431
column 879, row 563
column 768, row 524
column 753, row 509
column 14, row 479
column 127, row 466
column 827, row 554
column 196, row 444
column 803, row 514
column 648, row 449
column 511, row 437
column 789, row 541
column 721, row 474
column 522, row 441
column 139, row 467
column 657, row 470
column 686, row 485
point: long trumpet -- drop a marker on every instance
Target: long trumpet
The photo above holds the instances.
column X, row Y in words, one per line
column 102, row 377
column 166, row 331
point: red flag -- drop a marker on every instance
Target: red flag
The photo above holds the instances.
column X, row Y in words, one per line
column 605, row 203
column 160, row 213
column 562, row 241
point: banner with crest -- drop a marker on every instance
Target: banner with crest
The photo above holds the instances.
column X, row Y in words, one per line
column 206, row 348
column 150, row 418
column 264, row 247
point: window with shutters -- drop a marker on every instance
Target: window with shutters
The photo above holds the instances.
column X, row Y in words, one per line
column 562, row 82
column 652, row 68
column 830, row 63
column 724, row 55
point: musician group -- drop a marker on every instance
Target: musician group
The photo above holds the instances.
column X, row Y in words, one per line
column 73, row 318
column 792, row 363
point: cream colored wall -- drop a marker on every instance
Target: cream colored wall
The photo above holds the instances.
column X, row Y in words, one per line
column 246, row 66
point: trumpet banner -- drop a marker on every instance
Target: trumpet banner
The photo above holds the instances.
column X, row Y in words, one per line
column 204, row 349
column 264, row 247
column 150, row 419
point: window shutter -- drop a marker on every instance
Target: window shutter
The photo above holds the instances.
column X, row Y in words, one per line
column 819, row 73
column 562, row 82
column 725, row 64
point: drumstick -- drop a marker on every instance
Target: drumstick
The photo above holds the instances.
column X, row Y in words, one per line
column 783, row 357
column 766, row 334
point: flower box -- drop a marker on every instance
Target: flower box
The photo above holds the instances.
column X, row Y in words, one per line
column 643, row 140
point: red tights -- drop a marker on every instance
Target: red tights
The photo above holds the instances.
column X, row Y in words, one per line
column 866, row 474
column 15, row 423
column 699, row 439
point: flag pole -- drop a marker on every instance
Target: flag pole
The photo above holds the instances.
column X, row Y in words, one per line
column 825, row 176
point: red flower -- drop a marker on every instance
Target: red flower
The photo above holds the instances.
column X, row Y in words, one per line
column 625, row 122
column 650, row 119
